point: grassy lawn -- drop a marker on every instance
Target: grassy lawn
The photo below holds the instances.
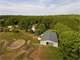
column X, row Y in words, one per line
column 50, row 53
column 13, row 35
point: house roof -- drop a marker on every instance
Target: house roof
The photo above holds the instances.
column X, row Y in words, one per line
column 49, row 35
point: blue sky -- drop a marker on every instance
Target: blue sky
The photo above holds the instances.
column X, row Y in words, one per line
column 39, row 7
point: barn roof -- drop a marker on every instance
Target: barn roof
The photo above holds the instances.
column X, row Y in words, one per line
column 49, row 35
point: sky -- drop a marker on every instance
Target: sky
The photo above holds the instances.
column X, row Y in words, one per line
column 39, row 7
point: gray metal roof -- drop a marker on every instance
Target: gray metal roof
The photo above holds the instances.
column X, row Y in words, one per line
column 49, row 35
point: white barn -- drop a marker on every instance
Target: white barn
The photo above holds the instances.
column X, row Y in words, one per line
column 49, row 38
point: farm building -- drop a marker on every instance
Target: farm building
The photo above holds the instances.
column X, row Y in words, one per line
column 49, row 38
column 10, row 28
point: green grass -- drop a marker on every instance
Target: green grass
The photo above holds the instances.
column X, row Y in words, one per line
column 50, row 53
column 21, row 57
column 10, row 36
column 13, row 35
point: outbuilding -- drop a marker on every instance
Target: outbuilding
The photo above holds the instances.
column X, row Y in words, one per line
column 49, row 38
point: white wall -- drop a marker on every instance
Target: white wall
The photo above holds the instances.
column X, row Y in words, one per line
column 39, row 38
column 55, row 44
column 43, row 42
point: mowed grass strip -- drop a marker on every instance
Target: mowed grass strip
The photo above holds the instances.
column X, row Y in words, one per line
column 50, row 53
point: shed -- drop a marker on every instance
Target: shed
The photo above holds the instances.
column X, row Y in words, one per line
column 49, row 38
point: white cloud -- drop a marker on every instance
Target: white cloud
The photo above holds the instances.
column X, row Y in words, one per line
column 33, row 9
column 68, row 8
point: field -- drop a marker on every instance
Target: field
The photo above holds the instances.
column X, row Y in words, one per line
column 33, row 51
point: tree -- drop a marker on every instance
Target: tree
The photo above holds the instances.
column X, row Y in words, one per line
column 59, row 28
column 69, row 45
column 11, row 21
column 2, row 22
column 40, row 28
column 23, row 24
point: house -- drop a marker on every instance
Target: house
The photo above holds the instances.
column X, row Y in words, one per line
column 49, row 38
column 10, row 28
column 13, row 28
column 34, row 28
